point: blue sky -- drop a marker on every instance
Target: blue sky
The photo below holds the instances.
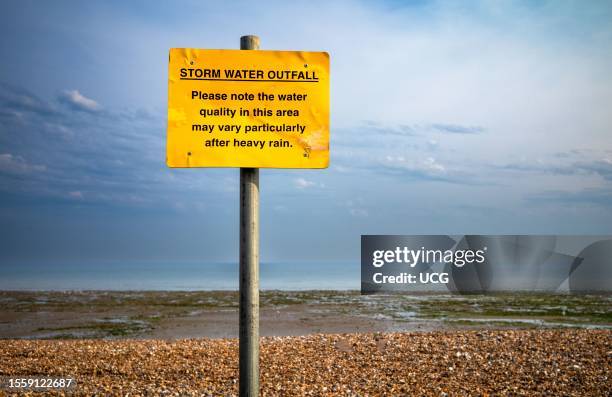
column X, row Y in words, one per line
column 447, row 118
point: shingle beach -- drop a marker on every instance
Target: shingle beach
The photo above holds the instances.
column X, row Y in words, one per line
column 498, row 362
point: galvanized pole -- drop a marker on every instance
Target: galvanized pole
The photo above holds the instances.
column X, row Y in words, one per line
column 249, row 268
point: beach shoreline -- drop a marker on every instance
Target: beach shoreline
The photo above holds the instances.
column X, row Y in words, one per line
column 321, row 343
column 214, row 314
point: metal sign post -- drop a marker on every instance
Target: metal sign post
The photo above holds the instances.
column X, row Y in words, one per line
column 249, row 268
column 248, row 109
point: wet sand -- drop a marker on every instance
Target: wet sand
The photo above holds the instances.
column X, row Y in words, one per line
column 177, row 315
column 512, row 362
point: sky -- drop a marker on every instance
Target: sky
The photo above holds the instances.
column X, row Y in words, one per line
column 480, row 117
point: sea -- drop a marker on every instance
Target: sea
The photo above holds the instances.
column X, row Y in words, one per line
column 138, row 276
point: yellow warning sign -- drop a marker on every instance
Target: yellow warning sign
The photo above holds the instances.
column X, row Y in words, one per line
column 238, row 108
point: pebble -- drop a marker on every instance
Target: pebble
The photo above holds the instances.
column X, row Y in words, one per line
column 508, row 362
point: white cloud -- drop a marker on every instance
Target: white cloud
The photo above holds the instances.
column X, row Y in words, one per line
column 302, row 183
column 78, row 101
column 17, row 165
column 428, row 165
column 432, row 165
